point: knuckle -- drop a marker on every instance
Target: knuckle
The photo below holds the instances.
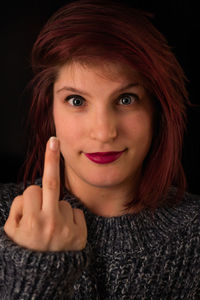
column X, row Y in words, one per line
column 67, row 233
column 80, row 215
column 51, row 184
column 63, row 202
column 18, row 199
column 67, row 204
column 32, row 189
column 32, row 222
column 16, row 204
column 78, row 211
column 51, row 227
column 64, row 206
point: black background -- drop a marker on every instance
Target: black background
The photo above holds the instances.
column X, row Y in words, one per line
column 20, row 24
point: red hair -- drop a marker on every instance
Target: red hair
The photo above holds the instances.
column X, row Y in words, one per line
column 86, row 30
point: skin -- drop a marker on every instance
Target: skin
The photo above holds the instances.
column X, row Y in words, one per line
column 102, row 123
column 37, row 219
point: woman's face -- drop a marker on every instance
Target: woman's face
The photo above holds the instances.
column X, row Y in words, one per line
column 102, row 108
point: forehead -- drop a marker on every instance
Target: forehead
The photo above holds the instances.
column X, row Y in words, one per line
column 107, row 70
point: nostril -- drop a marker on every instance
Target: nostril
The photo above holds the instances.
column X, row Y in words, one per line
column 103, row 134
column 104, row 125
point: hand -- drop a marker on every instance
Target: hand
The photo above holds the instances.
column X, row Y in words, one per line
column 39, row 221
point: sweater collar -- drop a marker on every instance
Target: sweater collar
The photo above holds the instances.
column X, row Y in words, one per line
column 141, row 231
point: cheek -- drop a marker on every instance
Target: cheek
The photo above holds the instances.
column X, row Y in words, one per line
column 138, row 127
column 68, row 130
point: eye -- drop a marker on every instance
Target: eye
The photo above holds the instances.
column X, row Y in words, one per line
column 128, row 99
column 75, row 100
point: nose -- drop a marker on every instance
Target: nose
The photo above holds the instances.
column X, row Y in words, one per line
column 103, row 126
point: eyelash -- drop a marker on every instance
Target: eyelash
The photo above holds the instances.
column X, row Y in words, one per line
column 135, row 96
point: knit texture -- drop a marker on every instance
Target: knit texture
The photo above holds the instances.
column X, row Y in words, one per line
column 133, row 256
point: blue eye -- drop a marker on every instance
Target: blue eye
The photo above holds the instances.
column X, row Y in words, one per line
column 128, row 99
column 75, row 100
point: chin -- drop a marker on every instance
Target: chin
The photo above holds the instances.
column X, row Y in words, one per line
column 104, row 182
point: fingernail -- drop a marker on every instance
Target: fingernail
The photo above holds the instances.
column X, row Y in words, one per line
column 53, row 143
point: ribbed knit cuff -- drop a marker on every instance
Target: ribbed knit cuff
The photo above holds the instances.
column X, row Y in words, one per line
column 27, row 274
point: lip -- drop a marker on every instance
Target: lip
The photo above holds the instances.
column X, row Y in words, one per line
column 104, row 157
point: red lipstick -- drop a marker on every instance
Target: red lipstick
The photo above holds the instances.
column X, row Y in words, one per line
column 104, row 157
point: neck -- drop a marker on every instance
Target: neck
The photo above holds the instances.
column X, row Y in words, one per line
column 105, row 201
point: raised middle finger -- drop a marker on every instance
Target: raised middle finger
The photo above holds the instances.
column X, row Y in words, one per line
column 51, row 176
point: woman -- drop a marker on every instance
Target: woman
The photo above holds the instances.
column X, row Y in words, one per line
column 110, row 218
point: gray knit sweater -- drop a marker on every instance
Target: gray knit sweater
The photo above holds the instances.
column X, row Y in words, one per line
column 127, row 257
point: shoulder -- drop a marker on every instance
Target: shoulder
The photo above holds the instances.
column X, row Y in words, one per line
column 176, row 224
column 185, row 220
column 188, row 205
column 191, row 206
column 184, row 215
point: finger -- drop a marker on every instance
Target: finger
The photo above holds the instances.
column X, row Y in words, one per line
column 80, row 222
column 32, row 200
column 67, row 211
column 79, row 218
column 16, row 210
column 51, row 176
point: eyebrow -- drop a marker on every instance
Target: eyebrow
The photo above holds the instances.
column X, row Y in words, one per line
column 74, row 90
